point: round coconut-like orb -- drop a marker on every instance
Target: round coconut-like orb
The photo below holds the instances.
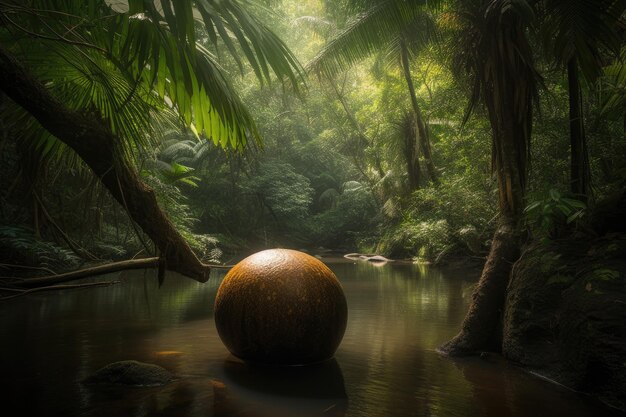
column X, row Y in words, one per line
column 281, row 306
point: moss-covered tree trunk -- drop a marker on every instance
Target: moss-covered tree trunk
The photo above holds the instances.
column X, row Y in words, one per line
column 97, row 146
column 506, row 80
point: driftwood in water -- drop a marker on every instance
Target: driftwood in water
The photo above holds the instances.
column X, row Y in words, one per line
column 367, row 257
column 52, row 288
column 86, row 272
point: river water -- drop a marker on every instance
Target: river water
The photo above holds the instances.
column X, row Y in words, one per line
column 386, row 365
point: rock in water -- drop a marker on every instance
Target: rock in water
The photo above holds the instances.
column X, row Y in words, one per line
column 130, row 373
column 377, row 259
column 281, row 306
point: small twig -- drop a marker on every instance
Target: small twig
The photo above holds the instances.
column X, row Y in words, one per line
column 78, row 250
column 36, row 12
column 220, row 266
column 88, row 272
column 41, row 268
column 138, row 253
column 10, row 289
column 59, row 38
column 9, row 280
column 59, row 287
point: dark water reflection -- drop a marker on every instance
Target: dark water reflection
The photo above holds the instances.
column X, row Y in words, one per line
column 385, row 366
column 315, row 390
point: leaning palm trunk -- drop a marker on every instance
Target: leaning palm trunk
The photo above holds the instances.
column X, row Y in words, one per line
column 96, row 145
column 505, row 80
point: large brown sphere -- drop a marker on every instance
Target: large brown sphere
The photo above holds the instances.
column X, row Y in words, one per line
column 281, row 306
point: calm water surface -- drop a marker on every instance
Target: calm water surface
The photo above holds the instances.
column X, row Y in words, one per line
column 385, row 366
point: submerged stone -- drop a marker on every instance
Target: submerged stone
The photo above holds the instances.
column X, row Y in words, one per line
column 281, row 306
column 130, row 373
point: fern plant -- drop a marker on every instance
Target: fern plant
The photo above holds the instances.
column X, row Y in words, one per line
column 547, row 215
column 19, row 246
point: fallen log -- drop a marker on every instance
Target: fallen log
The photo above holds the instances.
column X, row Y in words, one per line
column 54, row 287
column 107, row 268
column 86, row 272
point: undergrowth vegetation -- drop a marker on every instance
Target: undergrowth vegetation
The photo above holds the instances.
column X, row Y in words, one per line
column 375, row 154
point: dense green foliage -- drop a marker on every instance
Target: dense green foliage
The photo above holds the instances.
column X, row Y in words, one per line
column 342, row 162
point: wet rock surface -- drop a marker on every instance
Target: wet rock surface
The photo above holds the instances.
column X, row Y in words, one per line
column 130, row 373
column 565, row 314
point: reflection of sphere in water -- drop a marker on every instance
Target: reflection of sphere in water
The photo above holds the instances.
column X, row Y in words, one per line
column 314, row 390
column 318, row 380
column 281, row 306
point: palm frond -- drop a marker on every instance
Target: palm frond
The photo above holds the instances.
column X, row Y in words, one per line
column 418, row 35
column 123, row 62
column 368, row 32
column 261, row 47
column 578, row 29
column 614, row 83
column 177, row 150
column 320, row 27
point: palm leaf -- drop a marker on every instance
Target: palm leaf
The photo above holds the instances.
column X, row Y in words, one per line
column 614, row 82
column 368, row 32
column 578, row 29
column 123, row 62
column 418, row 35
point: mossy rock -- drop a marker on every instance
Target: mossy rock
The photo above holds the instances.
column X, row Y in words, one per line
column 565, row 314
column 281, row 306
column 130, row 373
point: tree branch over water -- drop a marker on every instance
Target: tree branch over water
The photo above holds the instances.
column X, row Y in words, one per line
column 95, row 143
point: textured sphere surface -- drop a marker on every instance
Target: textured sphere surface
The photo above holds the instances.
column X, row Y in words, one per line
column 281, row 306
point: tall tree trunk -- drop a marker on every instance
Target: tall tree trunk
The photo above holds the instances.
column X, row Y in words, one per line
column 422, row 129
column 481, row 328
column 579, row 162
column 97, row 146
column 411, row 154
column 507, row 85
